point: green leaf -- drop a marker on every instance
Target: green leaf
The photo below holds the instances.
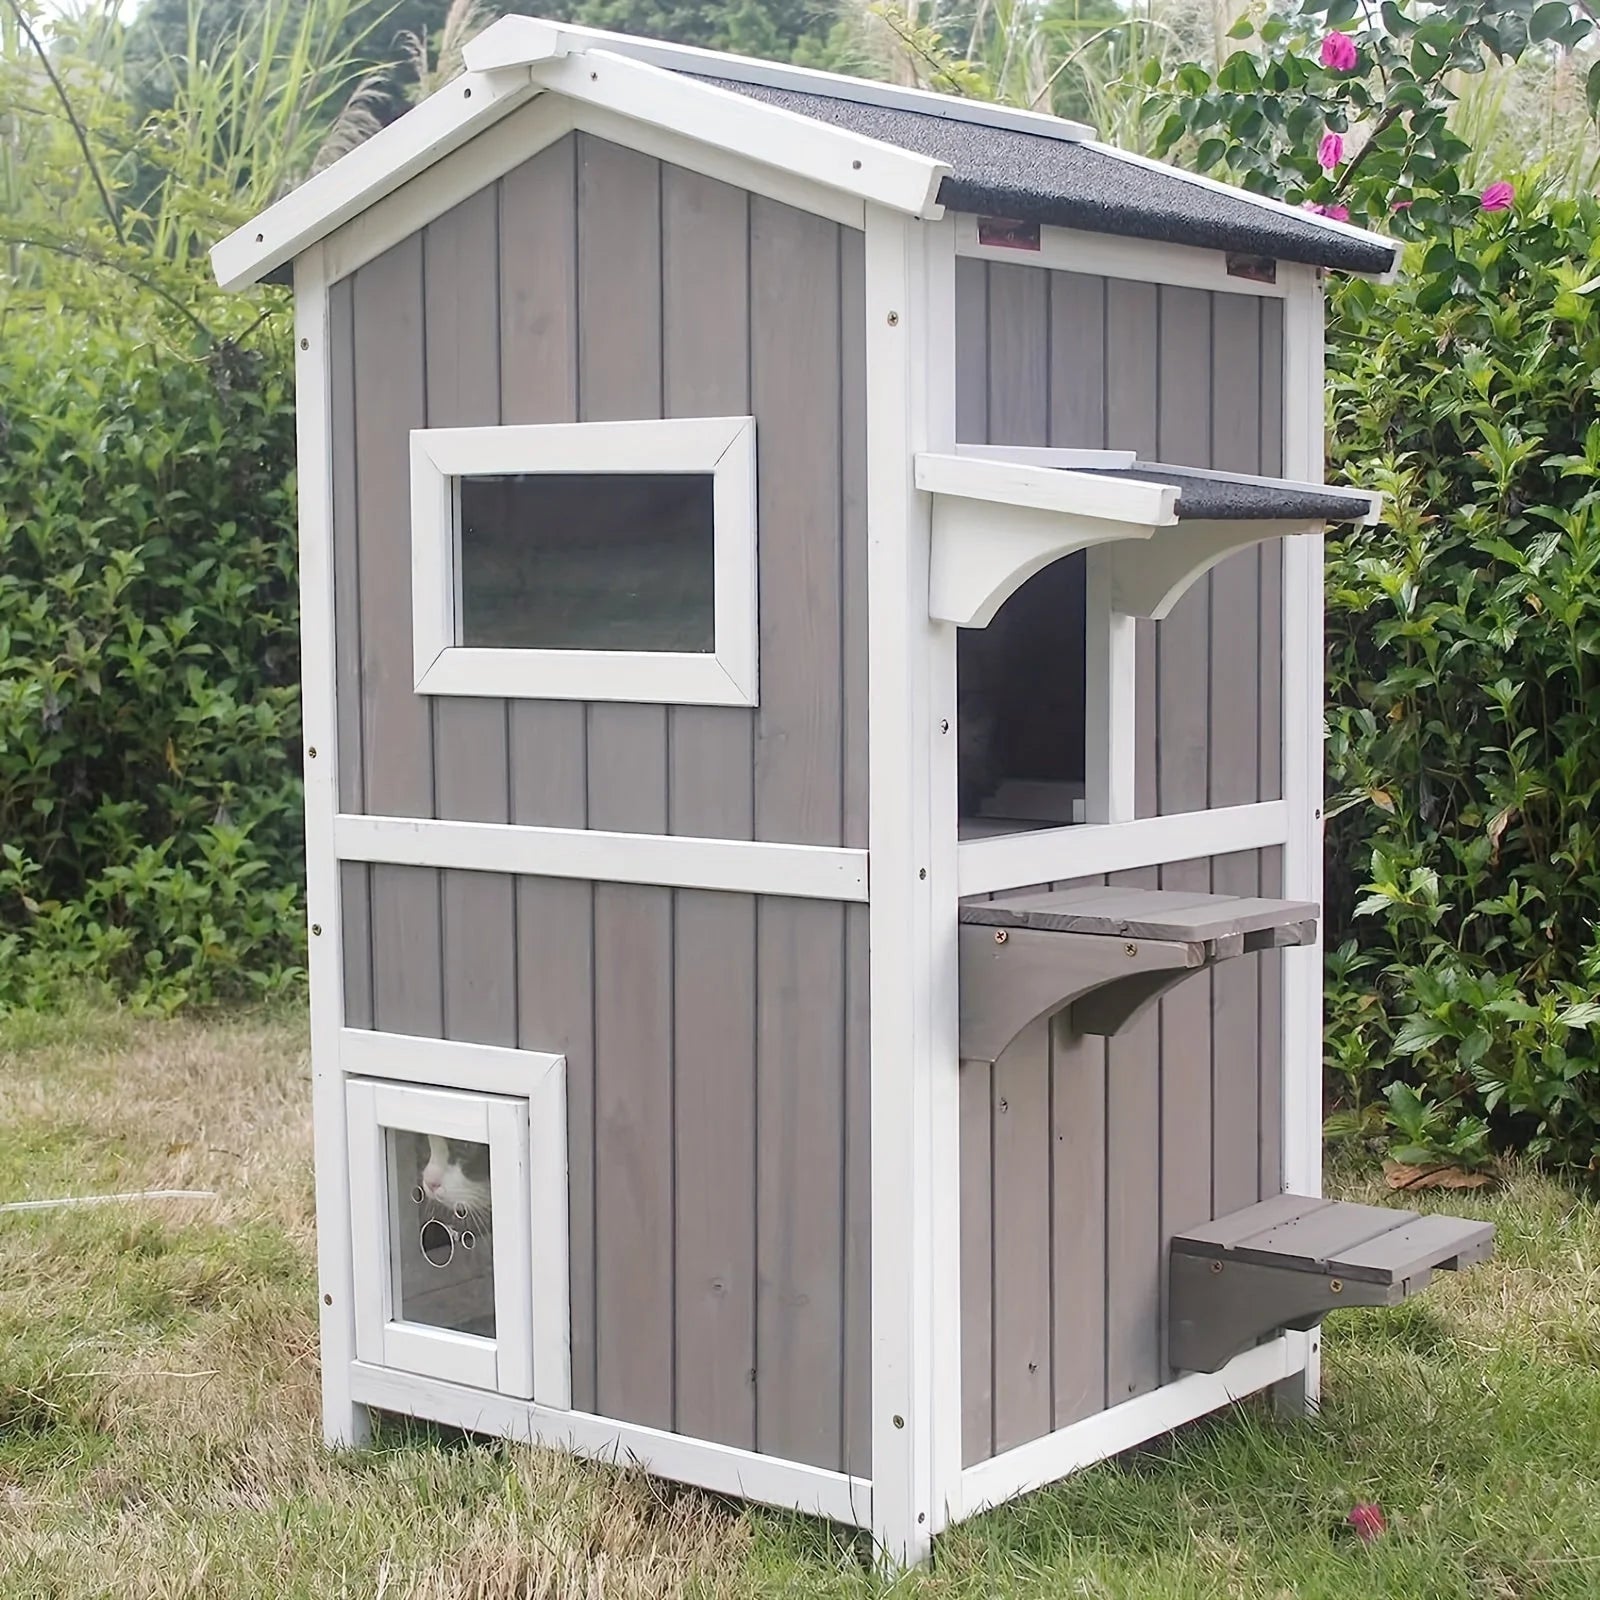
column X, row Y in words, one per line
column 1243, row 28
column 1209, row 154
column 1591, row 91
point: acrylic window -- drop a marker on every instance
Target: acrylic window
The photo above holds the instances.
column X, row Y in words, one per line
column 586, row 561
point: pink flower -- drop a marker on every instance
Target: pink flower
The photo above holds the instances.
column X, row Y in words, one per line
column 1338, row 53
column 1366, row 1521
column 1337, row 213
column 1497, row 197
column 1331, row 151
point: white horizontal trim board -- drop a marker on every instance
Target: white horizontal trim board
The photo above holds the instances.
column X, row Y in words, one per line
column 414, row 1058
column 1108, row 255
column 1097, row 1438
column 1018, row 860
column 720, row 1468
column 737, row 866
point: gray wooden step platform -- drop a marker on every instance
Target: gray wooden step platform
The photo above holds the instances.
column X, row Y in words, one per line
column 1288, row 1261
column 1109, row 954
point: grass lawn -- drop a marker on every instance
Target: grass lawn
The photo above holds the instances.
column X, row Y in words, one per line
column 158, row 1403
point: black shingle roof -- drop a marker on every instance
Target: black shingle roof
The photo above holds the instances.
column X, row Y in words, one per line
column 1030, row 177
column 1221, row 500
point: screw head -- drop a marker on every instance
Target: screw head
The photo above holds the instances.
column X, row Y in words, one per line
column 1216, row 1266
column 312, row 753
column 1130, row 948
column 1335, row 1286
column 922, row 872
column 305, row 344
column 944, row 725
column 1000, row 935
column 899, row 1422
column 466, row 94
column 327, row 1299
column 894, row 319
column 316, row 930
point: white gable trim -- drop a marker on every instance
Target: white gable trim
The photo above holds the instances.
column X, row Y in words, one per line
column 521, row 41
column 424, row 135
column 534, row 126
column 744, row 142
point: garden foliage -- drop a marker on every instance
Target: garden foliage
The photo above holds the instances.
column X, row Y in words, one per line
column 150, row 833
column 1464, row 679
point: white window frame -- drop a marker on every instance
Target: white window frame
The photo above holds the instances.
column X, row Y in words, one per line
column 724, row 447
column 530, row 1353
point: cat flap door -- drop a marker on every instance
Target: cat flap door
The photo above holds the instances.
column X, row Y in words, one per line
column 440, row 1219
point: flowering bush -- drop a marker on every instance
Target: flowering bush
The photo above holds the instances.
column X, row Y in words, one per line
column 1343, row 108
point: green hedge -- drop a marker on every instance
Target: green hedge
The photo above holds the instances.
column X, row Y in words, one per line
column 150, row 833
column 1464, row 839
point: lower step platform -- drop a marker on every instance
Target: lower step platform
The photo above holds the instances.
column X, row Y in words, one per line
column 1288, row 1261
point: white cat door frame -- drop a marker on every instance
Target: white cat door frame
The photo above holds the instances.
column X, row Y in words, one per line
column 513, row 1101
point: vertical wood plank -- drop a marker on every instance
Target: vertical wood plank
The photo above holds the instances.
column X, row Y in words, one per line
column 461, row 310
column 1022, row 1351
column 1236, row 1056
column 1019, row 355
column 853, row 499
column 1135, row 1261
column 977, row 1264
column 705, row 289
column 800, row 1182
column 634, row 1090
column 356, row 931
column 1272, row 423
column 857, row 1195
column 1133, row 331
column 1078, row 1180
column 1078, row 361
column 972, row 351
column 397, row 744
column 555, row 1012
column 795, row 378
column 1270, row 1116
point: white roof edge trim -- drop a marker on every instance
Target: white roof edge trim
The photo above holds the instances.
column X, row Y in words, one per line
column 1346, row 230
column 767, row 135
column 522, row 40
column 1043, row 488
column 412, row 143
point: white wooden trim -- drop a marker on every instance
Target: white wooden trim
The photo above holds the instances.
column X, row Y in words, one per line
column 442, row 123
column 1303, row 714
column 769, row 1480
column 1149, row 578
column 343, row 1421
column 540, row 1078
column 679, row 861
column 1016, row 860
column 1009, row 480
column 499, row 149
column 1109, row 255
column 523, row 40
column 881, row 174
column 1048, row 455
column 1110, row 698
column 1097, row 1438
column 723, row 447
column 910, row 296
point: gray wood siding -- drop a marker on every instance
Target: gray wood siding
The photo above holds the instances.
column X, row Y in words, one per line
column 717, row 1044
column 595, row 283
column 1081, row 1157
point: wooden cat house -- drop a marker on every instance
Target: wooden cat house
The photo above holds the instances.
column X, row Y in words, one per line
column 812, row 657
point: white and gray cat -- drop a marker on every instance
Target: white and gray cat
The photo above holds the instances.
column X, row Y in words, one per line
column 456, row 1181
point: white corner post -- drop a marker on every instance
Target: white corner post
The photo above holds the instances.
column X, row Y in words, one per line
column 344, row 1422
column 1110, row 692
column 1303, row 401
column 916, row 1356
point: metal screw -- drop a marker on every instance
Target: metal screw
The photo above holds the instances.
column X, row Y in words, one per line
column 922, row 1516
column 1005, row 1105
column 316, row 930
column 894, row 319
column 922, row 872
column 1216, row 1266
column 305, row 344
column 1335, row 1286
column 260, row 237
column 327, row 1299
column 1130, row 948
column 466, row 94
column 899, row 1422
column 944, row 725
column 1000, row 935
column 855, row 166
column 312, row 752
